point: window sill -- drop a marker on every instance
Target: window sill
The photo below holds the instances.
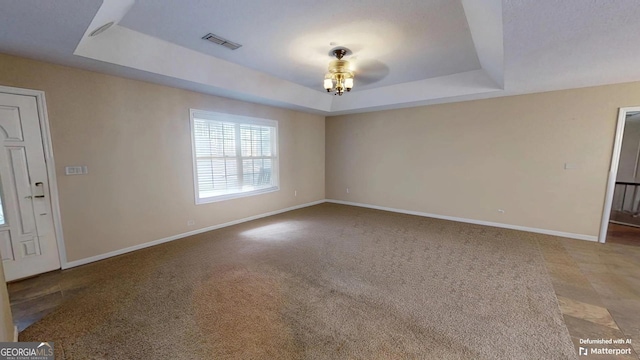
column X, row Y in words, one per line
column 225, row 197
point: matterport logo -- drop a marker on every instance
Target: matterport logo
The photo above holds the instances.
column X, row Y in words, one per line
column 616, row 347
column 26, row 351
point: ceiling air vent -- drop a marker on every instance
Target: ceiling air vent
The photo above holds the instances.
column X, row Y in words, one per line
column 221, row 41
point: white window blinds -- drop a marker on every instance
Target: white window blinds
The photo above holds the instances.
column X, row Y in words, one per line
column 233, row 156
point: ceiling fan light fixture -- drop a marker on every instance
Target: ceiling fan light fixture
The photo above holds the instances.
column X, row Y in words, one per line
column 340, row 77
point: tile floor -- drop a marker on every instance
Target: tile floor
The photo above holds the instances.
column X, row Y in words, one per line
column 598, row 289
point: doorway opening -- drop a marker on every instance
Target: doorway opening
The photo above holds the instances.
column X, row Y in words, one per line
column 621, row 215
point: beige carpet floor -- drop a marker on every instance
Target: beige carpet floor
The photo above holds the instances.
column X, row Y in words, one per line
column 325, row 282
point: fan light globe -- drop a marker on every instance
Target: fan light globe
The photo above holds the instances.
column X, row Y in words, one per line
column 328, row 84
column 348, row 83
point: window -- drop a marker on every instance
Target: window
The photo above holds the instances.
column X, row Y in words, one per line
column 233, row 156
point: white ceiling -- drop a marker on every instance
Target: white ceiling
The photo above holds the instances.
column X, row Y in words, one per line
column 406, row 52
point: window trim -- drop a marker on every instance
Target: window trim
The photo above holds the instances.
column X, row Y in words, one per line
column 238, row 119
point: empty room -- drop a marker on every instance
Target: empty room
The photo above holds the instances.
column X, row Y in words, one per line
column 279, row 179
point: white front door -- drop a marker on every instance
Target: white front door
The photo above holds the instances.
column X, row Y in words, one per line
column 27, row 237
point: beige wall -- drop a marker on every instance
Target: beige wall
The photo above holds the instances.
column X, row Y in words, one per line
column 135, row 139
column 470, row 159
column 464, row 159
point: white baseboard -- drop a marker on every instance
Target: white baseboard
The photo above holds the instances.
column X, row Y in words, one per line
column 471, row 221
column 410, row 212
column 180, row 236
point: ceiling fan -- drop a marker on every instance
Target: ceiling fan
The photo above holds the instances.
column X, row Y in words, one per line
column 340, row 76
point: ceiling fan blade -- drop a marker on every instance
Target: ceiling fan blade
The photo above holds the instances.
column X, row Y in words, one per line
column 370, row 71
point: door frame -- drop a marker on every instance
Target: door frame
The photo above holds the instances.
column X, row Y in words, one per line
column 613, row 170
column 43, row 119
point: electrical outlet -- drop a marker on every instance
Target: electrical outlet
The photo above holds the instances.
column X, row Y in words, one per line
column 295, row 192
column 347, row 190
column 501, row 211
column 191, row 222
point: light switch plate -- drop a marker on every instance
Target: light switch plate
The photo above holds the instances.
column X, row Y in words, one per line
column 75, row 170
